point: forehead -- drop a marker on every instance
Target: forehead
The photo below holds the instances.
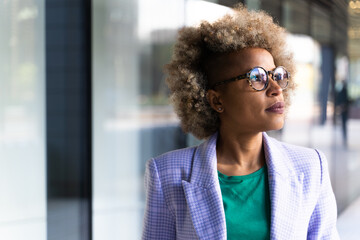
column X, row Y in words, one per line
column 248, row 58
column 228, row 65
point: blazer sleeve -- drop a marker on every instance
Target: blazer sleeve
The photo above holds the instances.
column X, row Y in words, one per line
column 322, row 223
column 159, row 221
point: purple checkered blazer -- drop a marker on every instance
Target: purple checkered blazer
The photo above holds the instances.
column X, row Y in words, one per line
column 183, row 196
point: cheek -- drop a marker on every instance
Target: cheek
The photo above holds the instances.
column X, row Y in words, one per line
column 253, row 104
column 242, row 101
column 245, row 107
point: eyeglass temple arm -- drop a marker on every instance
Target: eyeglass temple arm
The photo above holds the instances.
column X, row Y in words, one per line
column 240, row 77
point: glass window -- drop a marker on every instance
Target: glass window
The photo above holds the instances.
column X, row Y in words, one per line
column 22, row 109
column 354, row 58
column 132, row 120
column 296, row 16
column 273, row 7
column 320, row 25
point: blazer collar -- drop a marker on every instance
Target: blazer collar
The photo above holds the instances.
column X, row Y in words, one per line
column 204, row 169
column 276, row 158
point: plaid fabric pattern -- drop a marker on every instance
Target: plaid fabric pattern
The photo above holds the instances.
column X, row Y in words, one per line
column 183, row 196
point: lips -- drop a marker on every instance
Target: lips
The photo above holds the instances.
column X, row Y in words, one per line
column 278, row 107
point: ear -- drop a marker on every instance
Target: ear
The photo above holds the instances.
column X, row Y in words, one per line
column 215, row 101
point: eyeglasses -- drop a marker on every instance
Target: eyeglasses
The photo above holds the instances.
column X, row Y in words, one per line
column 258, row 78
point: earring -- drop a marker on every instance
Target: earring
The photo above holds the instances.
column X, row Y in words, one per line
column 219, row 108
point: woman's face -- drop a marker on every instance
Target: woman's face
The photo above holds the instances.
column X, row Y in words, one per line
column 242, row 108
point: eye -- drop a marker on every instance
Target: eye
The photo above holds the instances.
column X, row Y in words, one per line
column 280, row 74
column 258, row 75
column 255, row 78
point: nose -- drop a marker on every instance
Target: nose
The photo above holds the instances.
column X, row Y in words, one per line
column 273, row 88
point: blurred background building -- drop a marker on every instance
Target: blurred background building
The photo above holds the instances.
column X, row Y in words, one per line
column 83, row 105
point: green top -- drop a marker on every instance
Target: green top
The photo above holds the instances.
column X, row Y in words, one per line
column 246, row 202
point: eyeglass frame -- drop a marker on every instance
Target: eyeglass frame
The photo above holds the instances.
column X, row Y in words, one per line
column 247, row 76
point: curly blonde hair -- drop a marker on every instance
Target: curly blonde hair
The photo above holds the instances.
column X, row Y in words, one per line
column 186, row 77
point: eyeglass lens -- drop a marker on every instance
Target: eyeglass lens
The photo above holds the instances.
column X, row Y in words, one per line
column 281, row 76
column 258, row 77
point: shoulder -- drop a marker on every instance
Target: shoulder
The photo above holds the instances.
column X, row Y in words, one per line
column 174, row 165
column 294, row 151
column 176, row 158
column 309, row 161
column 298, row 154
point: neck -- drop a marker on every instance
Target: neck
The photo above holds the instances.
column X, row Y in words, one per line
column 239, row 153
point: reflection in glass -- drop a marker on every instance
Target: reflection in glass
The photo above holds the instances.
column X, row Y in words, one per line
column 132, row 120
column 22, row 106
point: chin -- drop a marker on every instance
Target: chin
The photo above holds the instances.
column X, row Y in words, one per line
column 276, row 126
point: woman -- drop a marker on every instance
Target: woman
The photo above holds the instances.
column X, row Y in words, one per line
column 230, row 82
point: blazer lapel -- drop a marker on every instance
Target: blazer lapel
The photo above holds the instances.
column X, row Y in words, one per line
column 203, row 194
column 285, row 191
